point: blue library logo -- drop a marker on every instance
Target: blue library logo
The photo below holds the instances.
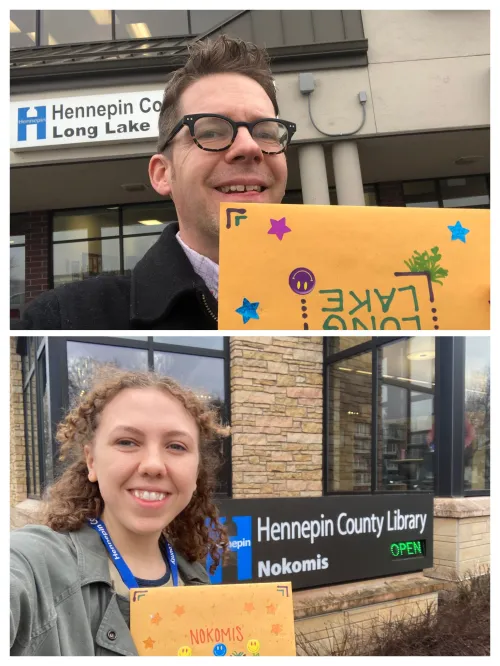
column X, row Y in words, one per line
column 240, row 543
column 23, row 120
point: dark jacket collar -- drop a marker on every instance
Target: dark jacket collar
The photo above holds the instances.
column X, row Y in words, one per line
column 161, row 277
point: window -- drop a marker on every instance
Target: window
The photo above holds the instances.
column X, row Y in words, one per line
column 86, row 358
column 22, row 28
column 104, row 241
column 349, row 424
column 477, row 414
column 17, row 275
column 197, row 362
column 461, row 192
column 421, row 194
column 395, row 376
column 69, row 366
column 140, row 23
column 405, row 458
column 470, row 192
column 36, row 416
column 75, row 26
column 340, row 342
column 201, row 20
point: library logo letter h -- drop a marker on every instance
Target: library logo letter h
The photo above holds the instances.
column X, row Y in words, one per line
column 39, row 119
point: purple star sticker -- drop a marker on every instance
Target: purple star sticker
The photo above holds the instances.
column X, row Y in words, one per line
column 279, row 228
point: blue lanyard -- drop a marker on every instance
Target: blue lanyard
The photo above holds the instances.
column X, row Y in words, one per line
column 126, row 575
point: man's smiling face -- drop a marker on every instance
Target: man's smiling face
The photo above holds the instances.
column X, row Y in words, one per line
column 194, row 177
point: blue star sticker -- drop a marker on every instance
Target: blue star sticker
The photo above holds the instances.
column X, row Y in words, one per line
column 248, row 310
column 458, row 232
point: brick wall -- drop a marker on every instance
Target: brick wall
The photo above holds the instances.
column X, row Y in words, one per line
column 17, row 448
column 35, row 227
column 276, row 416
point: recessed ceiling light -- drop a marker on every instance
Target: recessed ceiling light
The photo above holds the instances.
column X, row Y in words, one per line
column 134, row 187
column 468, row 159
column 421, row 355
column 149, row 222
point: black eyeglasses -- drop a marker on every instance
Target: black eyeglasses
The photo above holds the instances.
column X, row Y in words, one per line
column 213, row 132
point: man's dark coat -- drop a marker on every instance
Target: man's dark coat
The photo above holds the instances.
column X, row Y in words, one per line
column 163, row 292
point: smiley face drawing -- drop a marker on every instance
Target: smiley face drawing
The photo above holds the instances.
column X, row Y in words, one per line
column 220, row 650
column 302, row 281
column 185, row 651
column 253, row 646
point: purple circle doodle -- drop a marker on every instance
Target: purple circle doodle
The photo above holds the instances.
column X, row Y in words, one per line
column 302, row 281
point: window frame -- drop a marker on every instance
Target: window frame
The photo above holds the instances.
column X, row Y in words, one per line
column 60, row 395
column 190, row 33
column 449, row 410
column 120, row 236
column 31, row 367
column 437, row 185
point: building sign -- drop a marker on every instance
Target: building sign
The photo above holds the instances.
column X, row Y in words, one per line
column 96, row 119
column 319, row 541
column 303, row 267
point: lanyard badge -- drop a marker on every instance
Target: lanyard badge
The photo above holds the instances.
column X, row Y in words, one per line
column 126, row 575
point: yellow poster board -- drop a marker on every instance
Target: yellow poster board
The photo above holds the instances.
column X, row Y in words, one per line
column 253, row 619
column 299, row 267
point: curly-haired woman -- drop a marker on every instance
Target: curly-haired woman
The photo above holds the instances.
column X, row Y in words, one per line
column 130, row 511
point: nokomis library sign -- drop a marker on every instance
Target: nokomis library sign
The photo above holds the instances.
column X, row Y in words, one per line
column 70, row 121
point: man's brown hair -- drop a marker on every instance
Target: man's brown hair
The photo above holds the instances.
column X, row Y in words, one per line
column 222, row 55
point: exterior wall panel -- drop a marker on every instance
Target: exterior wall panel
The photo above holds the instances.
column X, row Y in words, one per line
column 399, row 36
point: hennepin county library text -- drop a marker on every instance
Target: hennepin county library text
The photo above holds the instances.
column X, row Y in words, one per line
column 108, row 111
column 313, row 529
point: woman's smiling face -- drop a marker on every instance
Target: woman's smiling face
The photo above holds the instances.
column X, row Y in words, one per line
column 145, row 457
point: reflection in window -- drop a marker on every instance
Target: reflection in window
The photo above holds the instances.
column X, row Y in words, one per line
column 205, row 342
column 477, row 414
column 405, row 451
column 36, row 419
column 134, row 248
column 147, row 219
column 71, row 27
column 204, row 375
column 22, row 28
column 201, row 20
column 78, row 261
column 420, row 194
column 470, row 192
column 86, row 359
column 82, row 224
column 349, row 426
column 141, row 23
column 341, row 342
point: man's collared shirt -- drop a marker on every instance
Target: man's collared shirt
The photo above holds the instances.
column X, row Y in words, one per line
column 207, row 269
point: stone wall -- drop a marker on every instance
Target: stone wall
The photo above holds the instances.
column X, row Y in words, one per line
column 277, row 416
column 461, row 536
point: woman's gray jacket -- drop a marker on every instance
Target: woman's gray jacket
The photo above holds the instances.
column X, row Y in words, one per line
column 61, row 598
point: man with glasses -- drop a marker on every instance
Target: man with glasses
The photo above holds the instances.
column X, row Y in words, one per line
column 220, row 140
